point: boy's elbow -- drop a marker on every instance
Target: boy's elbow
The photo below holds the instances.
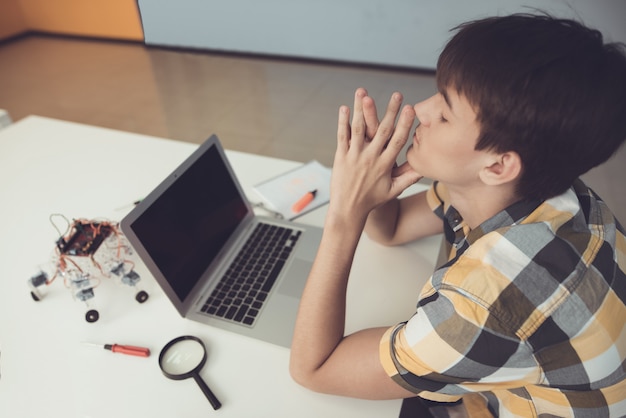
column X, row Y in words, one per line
column 300, row 376
column 305, row 377
column 386, row 240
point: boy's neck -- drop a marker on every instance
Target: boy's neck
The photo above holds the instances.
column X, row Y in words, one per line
column 477, row 204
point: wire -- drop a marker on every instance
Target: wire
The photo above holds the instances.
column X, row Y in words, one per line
column 67, row 229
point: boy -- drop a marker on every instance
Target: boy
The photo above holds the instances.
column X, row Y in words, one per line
column 527, row 316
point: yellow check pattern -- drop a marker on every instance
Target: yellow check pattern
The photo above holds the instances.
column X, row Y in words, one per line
column 528, row 316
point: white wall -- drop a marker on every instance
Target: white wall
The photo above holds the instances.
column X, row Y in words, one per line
column 405, row 33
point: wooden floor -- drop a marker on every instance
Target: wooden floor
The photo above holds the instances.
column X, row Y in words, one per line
column 274, row 107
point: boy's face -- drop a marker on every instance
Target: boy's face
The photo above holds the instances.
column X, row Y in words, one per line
column 444, row 141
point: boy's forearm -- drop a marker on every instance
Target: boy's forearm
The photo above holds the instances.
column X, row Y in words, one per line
column 403, row 220
column 320, row 322
column 382, row 222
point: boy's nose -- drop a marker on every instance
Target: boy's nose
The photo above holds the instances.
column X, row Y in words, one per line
column 421, row 114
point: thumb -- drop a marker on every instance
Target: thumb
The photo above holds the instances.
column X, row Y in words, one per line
column 404, row 180
column 403, row 168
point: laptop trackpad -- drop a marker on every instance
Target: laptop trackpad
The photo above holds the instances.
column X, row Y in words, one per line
column 293, row 285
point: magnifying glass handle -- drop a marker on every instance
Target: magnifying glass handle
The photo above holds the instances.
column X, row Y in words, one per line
column 207, row 392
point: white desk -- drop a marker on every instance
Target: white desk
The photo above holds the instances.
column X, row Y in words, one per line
column 49, row 166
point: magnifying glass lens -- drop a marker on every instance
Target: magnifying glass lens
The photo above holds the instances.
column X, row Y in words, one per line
column 182, row 357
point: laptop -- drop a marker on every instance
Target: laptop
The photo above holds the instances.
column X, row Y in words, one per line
column 196, row 231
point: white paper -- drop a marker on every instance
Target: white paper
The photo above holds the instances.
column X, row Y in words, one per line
column 281, row 192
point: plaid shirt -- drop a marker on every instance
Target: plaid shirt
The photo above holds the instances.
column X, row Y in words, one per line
column 528, row 316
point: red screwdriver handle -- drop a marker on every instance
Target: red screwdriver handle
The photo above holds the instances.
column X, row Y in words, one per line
column 129, row 349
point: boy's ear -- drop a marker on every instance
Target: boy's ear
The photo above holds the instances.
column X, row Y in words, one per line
column 501, row 168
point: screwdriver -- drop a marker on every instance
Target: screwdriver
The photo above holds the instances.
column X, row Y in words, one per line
column 131, row 350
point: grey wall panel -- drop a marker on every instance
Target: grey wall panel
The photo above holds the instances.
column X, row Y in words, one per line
column 406, row 33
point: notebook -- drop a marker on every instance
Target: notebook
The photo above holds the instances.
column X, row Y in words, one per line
column 192, row 228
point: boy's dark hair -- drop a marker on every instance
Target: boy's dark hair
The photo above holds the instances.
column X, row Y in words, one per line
column 546, row 88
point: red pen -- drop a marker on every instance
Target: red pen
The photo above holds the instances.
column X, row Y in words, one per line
column 130, row 350
column 304, row 201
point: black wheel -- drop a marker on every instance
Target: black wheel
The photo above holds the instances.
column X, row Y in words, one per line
column 142, row 296
column 92, row 315
column 35, row 297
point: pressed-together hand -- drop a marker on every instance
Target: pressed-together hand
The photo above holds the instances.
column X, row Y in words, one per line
column 364, row 172
column 323, row 358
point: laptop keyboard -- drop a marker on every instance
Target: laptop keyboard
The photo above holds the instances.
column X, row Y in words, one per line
column 243, row 289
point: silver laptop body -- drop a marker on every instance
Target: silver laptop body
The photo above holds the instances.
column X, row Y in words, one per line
column 191, row 227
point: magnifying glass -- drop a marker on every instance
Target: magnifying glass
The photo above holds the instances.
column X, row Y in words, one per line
column 182, row 358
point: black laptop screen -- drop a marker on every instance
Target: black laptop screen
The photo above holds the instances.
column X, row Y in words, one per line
column 185, row 228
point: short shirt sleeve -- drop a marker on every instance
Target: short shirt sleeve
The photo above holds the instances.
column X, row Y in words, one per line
column 453, row 346
column 422, row 354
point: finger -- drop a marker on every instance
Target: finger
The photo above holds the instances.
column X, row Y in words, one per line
column 403, row 168
column 403, row 181
column 357, row 135
column 386, row 126
column 370, row 115
column 343, row 129
column 401, row 132
column 359, row 94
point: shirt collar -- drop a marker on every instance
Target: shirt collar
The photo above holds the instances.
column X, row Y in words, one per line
column 514, row 214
